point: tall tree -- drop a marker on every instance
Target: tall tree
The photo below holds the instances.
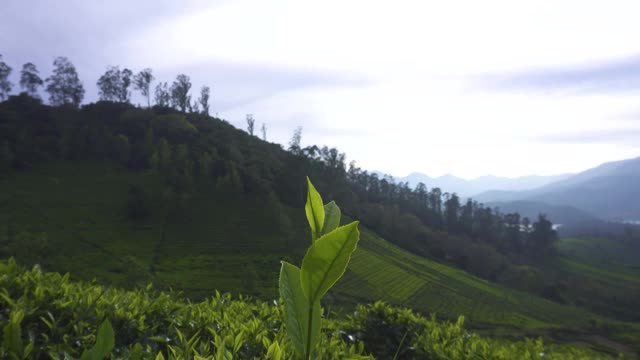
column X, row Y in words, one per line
column 142, row 81
column 5, row 84
column 294, row 143
column 264, row 131
column 30, row 79
column 180, row 98
column 250, row 124
column 162, row 95
column 205, row 92
column 114, row 84
column 64, row 85
column 125, row 94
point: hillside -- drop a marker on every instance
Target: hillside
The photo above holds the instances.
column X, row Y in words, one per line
column 188, row 154
column 220, row 241
column 226, row 243
column 128, row 195
column 610, row 191
column 152, row 325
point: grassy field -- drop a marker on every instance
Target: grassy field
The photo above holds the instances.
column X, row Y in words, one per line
column 231, row 243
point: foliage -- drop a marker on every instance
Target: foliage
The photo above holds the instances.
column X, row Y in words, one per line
column 58, row 317
column 383, row 328
column 142, row 81
column 64, row 86
column 114, row 84
column 180, row 98
column 46, row 314
column 5, row 84
column 205, row 93
column 324, row 264
column 250, row 124
column 162, row 95
column 30, row 79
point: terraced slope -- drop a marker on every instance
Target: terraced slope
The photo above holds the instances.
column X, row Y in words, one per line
column 231, row 243
column 381, row 270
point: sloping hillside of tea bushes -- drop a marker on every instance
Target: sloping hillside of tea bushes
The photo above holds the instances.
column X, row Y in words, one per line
column 72, row 218
column 46, row 314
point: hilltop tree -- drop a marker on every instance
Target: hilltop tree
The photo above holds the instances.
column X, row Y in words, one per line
column 30, row 79
column 142, row 81
column 162, row 95
column 5, row 84
column 205, row 92
column 250, row 124
column 294, row 143
column 125, row 94
column 264, row 131
column 64, row 86
column 114, row 84
column 180, row 98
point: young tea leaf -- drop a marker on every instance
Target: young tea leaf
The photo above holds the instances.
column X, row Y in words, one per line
column 12, row 338
column 301, row 318
column 327, row 259
column 331, row 217
column 105, row 340
column 314, row 210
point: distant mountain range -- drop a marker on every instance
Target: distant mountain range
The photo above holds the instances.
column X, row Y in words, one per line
column 469, row 188
column 610, row 191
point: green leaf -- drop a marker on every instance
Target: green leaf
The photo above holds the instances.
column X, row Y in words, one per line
column 327, row 259
column 105, row 340
column 27, row 350
column 301, row 318
column 331, row 217
column 136, row 352
column 12, row 338
column 314, row 210
column 274, row 352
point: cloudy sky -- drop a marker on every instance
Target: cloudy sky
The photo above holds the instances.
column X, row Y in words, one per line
column 470, row 88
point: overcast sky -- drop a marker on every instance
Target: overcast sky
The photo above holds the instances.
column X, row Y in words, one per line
column 470, row 88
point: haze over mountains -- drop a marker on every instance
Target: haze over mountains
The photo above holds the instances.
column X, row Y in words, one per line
column 469, row 188
column 610, row 191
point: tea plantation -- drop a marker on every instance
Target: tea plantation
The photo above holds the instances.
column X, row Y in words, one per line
column 47, row 315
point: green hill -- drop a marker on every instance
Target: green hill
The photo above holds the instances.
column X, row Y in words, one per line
column 220, row 241
column 229, row 243
column 130, row 196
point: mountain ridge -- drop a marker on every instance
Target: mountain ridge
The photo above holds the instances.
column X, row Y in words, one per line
column 470, row 187
column 610, row 191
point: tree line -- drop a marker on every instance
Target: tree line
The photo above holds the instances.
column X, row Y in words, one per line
column 177, row 139
column 65, row 88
